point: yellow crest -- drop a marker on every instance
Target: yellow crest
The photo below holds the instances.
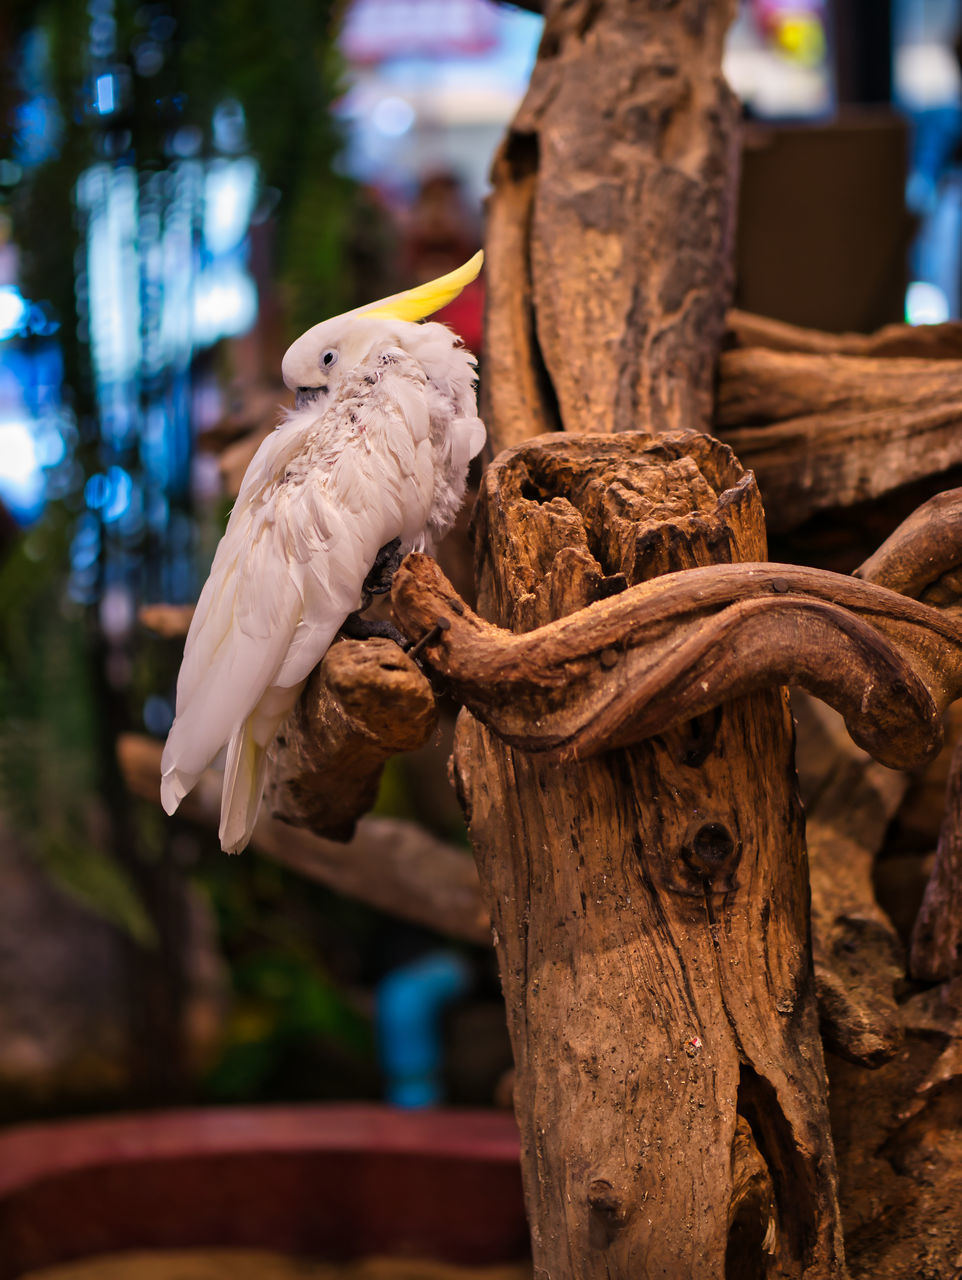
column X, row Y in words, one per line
column 424, row 299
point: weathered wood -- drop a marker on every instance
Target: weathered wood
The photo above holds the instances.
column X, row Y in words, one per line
column 822, row 430
column 899, row 1144
column 675, row 647
column 611, row 224
column 392, row 865
column 922, row 341
column 922, row 560
column 859, row 961
column 936, row 951
column 649, row 907
column 365, row 701
column 923, row 556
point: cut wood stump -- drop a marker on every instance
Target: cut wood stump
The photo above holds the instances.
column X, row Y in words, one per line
column 649, row 903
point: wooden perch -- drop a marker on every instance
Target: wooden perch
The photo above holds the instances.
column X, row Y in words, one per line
column 936, row 951
column 391, row 865
column 828, row 430
column 366, row 701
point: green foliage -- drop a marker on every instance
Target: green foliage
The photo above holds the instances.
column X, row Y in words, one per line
column 48, row 733
column 87, row 874
column 293, row 1031
column 278, row 60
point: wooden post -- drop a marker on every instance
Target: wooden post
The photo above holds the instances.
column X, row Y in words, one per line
column 650, row 910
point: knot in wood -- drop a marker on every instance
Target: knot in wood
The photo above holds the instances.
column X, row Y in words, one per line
column 710, row 856
column 608, row 1209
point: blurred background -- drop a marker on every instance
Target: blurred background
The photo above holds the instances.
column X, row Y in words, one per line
column 183, row 189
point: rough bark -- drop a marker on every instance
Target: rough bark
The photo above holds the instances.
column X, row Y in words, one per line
column 898, row 1132
column 611, row 222
column 936, row 951
column 675, row 647
column 363, row 703
column 923, row 341
column 824, row 430
column 650, row 909
column 389, row 864
column 859, row 960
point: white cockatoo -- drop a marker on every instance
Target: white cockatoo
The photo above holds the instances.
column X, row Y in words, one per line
column 370, row 464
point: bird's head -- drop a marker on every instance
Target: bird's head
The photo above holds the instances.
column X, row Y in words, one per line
column 314, row 365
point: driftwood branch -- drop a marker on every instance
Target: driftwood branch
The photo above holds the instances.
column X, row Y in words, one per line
column 936, row 951
column 923, row 341
column 391, row 865
column 828, row 430
column 366, row 701
column 859, row 963
column 676, row 647
column 899, row 1145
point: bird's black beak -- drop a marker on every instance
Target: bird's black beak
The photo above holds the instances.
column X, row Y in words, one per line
column 305, row 396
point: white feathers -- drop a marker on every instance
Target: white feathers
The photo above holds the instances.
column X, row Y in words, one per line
column 378, row 450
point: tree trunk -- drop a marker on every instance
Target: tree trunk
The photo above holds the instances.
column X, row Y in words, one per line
column 650, row 908
column 611, row 224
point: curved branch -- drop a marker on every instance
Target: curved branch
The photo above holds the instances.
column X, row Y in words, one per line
column 923, row 549
column 670, row 649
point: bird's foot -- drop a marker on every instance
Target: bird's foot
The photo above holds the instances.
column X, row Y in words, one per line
column 385, row 566
column 357, row 628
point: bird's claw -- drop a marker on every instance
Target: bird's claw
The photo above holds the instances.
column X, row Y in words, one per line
column 385, row 566
column 357, row 628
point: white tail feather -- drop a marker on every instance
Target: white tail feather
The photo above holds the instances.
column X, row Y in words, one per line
column 243, row 784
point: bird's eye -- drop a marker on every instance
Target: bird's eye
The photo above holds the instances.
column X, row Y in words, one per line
column 328, row 359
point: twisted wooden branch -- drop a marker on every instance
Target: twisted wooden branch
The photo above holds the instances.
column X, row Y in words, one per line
column 668, row 650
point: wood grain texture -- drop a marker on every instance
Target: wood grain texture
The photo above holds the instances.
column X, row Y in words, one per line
column 823, row 430
column 936, row 951
column 611, row 224
column 677, row 646
column 923, row 341
column 859, row 960
column 650, row 909
column 899, row 1141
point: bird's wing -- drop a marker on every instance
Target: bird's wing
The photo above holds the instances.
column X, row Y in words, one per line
column 320, row 498
column 377, row 487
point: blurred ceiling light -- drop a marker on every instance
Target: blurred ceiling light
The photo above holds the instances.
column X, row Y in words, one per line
column 13, row 311
column 21, row 477
column 225, row 302
column 392, row 117
column 105, row 89
column 230, row 189
column 925, row 303
column 230, row 126
column 926, row 75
